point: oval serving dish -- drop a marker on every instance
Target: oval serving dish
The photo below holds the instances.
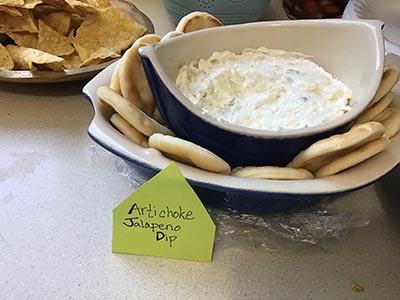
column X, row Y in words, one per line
column 241, row 194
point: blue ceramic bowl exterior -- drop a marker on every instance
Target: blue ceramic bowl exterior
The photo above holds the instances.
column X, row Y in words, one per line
column 227, row 11
column 235, row 148
column 241, row 201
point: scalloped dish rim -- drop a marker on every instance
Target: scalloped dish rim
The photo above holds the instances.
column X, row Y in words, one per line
column 366, row 173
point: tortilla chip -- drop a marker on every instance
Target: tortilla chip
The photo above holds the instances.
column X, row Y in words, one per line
column 60, row 5
column 81, row 6
column 11, row 11
column 15, row 24
column 117, row 33
column 46, row 32
column 32, row 59
column 99, row 3
column 72, row 61
column 52, row 42
column 43, row 10
column 6, row 61
column 4, row 38
column 11, row 2
column 59, row 21
column 76, row 21
column 54, row 66
column 28, row 4
column 24, row 39
column 99, row 56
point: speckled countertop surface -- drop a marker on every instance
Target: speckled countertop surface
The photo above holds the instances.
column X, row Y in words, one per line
column 57, row 197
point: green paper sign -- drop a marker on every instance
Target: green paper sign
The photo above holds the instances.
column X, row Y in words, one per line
column 164, row 217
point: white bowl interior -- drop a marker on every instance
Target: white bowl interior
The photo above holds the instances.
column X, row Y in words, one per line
column 351, row 51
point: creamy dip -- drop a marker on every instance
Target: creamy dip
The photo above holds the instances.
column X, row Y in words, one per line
column 264, row 89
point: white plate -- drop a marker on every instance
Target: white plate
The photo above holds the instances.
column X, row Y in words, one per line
column 387, row 11
column 81, row 73
column 253, row 192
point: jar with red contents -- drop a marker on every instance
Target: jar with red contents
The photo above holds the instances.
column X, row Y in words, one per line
column 314, row 9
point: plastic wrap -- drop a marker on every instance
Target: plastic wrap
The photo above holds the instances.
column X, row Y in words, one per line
column 312, row 225
column 136, row 179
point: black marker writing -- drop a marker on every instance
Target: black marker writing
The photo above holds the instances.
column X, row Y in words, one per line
column 139, row 223
column 150, row 211
column 161, row 236
column 148, row 217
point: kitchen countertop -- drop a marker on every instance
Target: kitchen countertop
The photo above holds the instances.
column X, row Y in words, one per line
column 58, row 190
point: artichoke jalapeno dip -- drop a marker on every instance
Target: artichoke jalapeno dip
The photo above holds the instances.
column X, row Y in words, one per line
column 264, row 89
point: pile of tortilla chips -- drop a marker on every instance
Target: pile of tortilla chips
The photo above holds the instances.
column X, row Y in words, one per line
column 62, row 34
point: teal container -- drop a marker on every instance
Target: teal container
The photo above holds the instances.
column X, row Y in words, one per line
column 227, row 11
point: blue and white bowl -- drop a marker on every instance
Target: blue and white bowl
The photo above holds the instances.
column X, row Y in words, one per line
column 351, row 51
